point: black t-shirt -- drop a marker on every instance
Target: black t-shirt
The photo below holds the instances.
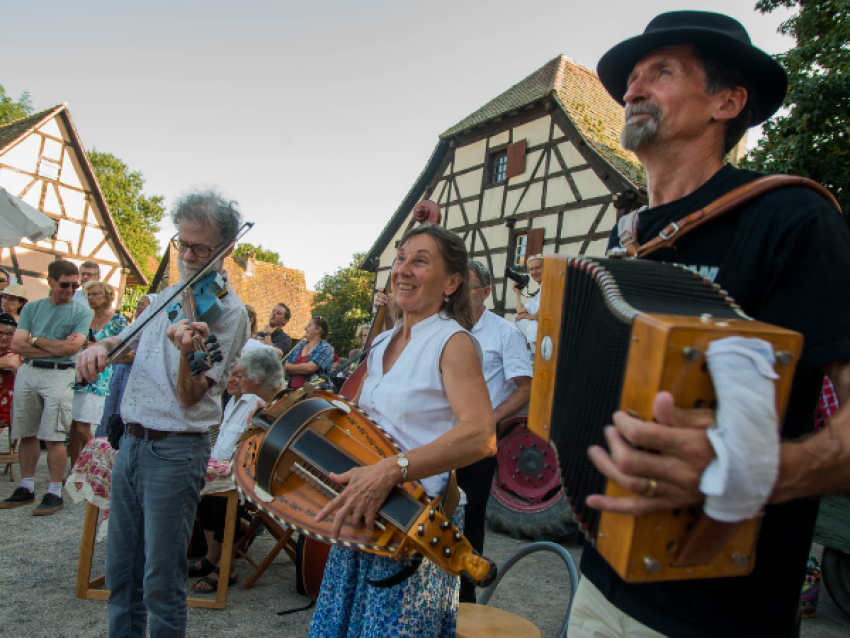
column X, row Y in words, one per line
column 785, row 259
column 281, row 341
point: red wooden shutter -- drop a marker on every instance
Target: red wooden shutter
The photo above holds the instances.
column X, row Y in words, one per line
column 534, row 244
column 516, row 159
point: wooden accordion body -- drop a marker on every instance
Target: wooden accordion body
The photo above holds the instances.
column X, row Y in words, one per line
column 611, row 335
column 282, row 463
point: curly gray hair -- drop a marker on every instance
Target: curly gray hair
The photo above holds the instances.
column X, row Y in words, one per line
column 209, row 208
column 262, row 365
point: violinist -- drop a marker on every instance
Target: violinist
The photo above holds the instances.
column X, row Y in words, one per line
column 160, row 467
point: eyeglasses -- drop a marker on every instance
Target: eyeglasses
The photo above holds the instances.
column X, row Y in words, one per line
column 93, row 294
column 477, row 287
column 201, row 251
column 64, row 285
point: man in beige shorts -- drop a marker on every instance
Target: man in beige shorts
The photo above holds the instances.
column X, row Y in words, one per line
column 49, row 333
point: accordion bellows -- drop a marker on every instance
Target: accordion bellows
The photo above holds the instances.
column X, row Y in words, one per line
column 612, row 334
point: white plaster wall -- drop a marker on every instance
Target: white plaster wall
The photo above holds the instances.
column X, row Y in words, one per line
column 501, row 138
column 469, row 184
column 52, row 149
column 531, row 160
column 549, row 224
column 571, row 155
column 13, row 182
column 24, row 156
column 534, row 132
column 74, row 201
column 437, row 195
column 69, row 171
column 596, row 248
column 558, row 191
column 609, row 220
column 50, row 127
column 496, row 236
column 106, row 254
column 533, row 198
column 577, row 222
column 511, row 201
column 472, row 209
column 91, row 238
column 491, row 206
column 470, row 155
column 51, row 202
column 589, row 185
column 499, row 261
column 453, row 216
column 557, row 132
column 33, row 195
column 67, row 231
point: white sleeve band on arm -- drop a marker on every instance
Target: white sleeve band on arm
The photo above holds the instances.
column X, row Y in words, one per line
column 745, row 438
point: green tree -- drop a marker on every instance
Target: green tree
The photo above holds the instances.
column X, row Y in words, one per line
column 345, row 300
column 11, row 110
column 136, row 215
column 260, row 253
column 811, row 137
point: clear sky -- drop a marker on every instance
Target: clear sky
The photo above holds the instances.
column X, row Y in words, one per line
column 317, row 117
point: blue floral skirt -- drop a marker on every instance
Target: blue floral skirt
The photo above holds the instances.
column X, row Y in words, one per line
column 423, row 606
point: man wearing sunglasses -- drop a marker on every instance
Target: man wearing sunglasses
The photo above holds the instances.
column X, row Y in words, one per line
column 50, row 332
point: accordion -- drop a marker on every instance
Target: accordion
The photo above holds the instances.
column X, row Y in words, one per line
column 611, row 335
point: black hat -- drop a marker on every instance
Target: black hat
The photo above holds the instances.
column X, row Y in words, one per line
column 7, row 320
column 725, row 37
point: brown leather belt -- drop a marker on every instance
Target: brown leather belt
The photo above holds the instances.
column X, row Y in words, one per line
column 141, row 432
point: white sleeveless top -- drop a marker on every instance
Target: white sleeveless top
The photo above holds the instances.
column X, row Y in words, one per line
column 410, row 401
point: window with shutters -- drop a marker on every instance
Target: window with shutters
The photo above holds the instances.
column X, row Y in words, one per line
column 498, row 167
column 526, row 244
column 519, row 252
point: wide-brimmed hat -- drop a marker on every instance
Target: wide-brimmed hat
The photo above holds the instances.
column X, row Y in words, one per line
column 725, row 37
column 16, row 290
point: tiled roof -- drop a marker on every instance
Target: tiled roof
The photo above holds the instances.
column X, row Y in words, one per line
column 13, row 130
column 596, row 116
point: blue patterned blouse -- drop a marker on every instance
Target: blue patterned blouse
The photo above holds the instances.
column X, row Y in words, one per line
column 112, row 328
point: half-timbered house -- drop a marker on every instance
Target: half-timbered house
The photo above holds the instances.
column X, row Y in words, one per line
column 536, row 170
column 43, row 162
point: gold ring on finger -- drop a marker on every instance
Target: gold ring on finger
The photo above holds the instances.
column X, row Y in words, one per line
column 650, row 492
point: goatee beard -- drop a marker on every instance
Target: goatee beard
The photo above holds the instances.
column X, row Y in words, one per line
column 641, row 132
column 186, row 271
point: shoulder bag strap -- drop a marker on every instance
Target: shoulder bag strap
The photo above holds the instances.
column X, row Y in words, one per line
column 722, row 205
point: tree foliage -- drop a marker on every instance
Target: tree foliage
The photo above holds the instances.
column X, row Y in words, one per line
column 136, row 215
column 260, row 253
column 345, row 300
column 11, row 110
column 812, row 136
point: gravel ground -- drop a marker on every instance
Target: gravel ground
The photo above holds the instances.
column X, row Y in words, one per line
column 39, row 565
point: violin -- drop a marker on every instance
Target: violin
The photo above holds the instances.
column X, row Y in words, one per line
column 201, row 302
column 121, row 349
column 424, row 211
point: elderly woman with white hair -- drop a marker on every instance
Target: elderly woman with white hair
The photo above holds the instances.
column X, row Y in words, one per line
column 260, row 377
column 89, row 400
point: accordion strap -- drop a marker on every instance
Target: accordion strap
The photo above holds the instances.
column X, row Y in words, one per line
column 627, row 225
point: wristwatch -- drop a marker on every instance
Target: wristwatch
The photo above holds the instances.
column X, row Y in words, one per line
column 402, row 461
column 34, row 339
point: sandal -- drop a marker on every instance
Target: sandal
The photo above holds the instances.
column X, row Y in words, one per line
column 206, row 567
column 213, row 583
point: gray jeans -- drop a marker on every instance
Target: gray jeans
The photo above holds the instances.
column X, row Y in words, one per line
column 156, row 487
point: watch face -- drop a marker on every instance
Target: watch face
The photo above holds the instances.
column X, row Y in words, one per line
column 402, row 461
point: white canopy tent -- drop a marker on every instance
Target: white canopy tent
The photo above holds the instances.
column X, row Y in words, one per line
column 18, row 220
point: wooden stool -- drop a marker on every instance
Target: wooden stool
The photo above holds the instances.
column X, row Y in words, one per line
column 477, row 621
column 481, row 621
column 86, row 585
